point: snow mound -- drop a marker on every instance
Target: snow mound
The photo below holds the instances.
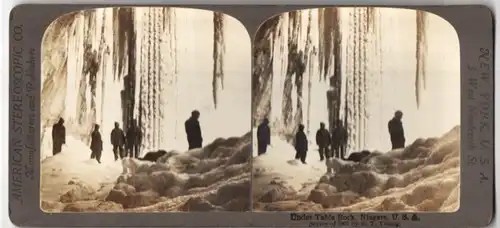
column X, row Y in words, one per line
column 71, row 173
column 213, row 178
column 424, row 176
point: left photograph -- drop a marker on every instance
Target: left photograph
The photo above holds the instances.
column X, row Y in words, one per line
column 145, row 110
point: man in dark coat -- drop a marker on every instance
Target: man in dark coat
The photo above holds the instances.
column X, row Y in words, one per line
column 58, row 136
column 118, row 141
column 96, row 144
column 323, row 141
column 339, row 139
column 263, row 137
column 396, row 131
column 301, row 145
column 134, row 140
column 193, row 130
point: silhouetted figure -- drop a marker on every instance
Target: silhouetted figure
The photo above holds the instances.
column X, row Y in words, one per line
column 301, row 146
column 118, row 141
column 96, row 144
column 263, row 137
column 134, row 139
column 58, row 136
column 339, row 140
column 396, row 131
column 323, row 141
column 193, row 130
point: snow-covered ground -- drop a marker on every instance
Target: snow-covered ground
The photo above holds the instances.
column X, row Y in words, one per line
column 280, row 160
column 74, row 163
column 422, row 177
column 213, row 178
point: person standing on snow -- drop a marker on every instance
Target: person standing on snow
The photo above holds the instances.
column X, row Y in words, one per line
column 263, row 136
column 193, row 130
column 396, row 131
column 96, row 144
column 58, row 136
column 339, row 140
column 323, row 141
column 301, row 145
column 118, row 141
column 134, row 140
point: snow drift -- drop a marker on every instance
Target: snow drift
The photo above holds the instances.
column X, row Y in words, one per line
column 213, row 178
column 424, row 176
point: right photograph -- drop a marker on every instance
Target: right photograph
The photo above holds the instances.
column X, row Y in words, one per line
column 356, row 109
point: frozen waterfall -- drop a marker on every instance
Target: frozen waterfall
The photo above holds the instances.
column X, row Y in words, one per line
column 155, row 65
column 359, row 65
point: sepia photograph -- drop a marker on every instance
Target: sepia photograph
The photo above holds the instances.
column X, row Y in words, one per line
column 145, row 109
column 356, row 109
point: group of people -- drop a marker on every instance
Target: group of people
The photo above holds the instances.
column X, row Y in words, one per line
column 329, row 144
column 124, row 144
column 128, row 145
column 336, row 142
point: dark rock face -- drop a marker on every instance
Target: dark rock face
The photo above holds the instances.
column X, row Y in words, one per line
column 153, row 156
column 358, row 156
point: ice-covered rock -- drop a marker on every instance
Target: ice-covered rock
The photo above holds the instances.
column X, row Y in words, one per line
column 422, row 177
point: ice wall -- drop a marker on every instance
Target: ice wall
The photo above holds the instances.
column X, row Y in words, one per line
column 77, row 62
column 360, row 66
column 155, row 65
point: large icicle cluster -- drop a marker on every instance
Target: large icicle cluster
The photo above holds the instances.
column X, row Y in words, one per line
column 329, row 64
column 155, row 74
column 129, row 54
column 73, row 88
column 282, row 72
column 310, row 66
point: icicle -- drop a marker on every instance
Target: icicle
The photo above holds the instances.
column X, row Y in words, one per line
column 351, row 84
column 332, row 93
column 309, row 54
column 300, row 68
column 279, row 42
column 156, row 83
column 295, row 67
column 173, row 53
column 218, row 55
column 420, row 54
column 364, row 82
column 262, row 74
column 328, row 33
column 163, row 84
column 321, row 41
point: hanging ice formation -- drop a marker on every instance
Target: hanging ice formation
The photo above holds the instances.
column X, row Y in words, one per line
column 127, row 54
column 324, row 65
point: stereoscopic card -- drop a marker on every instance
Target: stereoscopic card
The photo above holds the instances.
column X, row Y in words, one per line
column 251, row 116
